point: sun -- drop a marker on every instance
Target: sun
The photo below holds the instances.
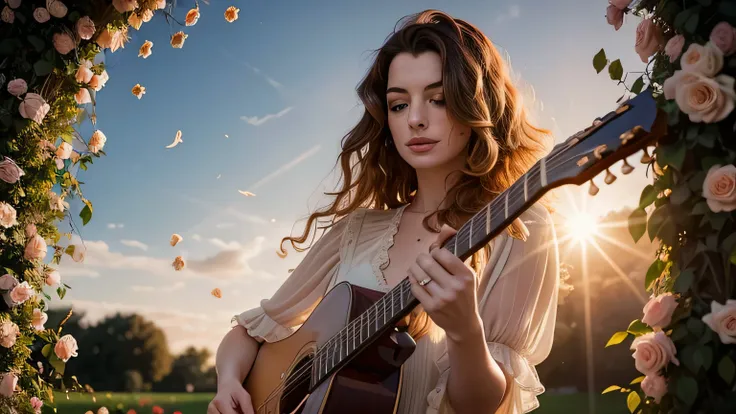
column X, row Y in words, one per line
column 582, row 226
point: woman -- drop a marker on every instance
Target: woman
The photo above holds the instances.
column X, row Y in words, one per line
column 443, row 133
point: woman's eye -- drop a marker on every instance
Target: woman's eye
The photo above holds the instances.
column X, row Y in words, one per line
column 439, row 101
column 398, row 107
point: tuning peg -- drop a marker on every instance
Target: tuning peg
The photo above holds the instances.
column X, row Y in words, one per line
column 610, row 178
column 626, row 136
column 646, row 158
column 593, row 190
column 626, row 168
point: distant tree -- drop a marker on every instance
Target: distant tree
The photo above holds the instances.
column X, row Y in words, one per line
column 133, row 381
column 189, row 370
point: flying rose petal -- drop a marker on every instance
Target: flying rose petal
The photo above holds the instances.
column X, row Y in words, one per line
column 246, row 193
column 175, row 239
column 178, row 263
column 227, row 136
column 216, row 292
column 138, row 90
column 177, row 140
column 218, row 176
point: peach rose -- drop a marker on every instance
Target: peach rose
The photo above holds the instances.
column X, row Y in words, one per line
column 7, row 15
column 654, row 386
column 31, row 230
column 722, row 320
column 113, row 40
column 145, row 50
column 52, row 277
column 724, row 37
column 100, row 80
column 79, row 254
column 66, row 348
column 39, row 319
column 8, row 215
column 64, row 151
column 175, row 239
column 22, row 293
column 135, row 21
column 57, row 202
column 97, row 141
column 706, row 60
column 34, row 107
column 231, row 14
column 706, row 99
column 719, row 188
column 36, row 404
column 146, row 16
column 614, row 16
column 658, row 311
column 138, row 90
column 177, row 39
column 10, row 172
column 41, row 15
column 192, row 17
column 652, row 352
column 84, row 73
column 17, row 87
column 178, row 263
column 14, row 4
column 8, row 282
column 36, row 248
column 8, row 383
column 648, row 39
column 8, row 334
column 104, row 39
column 123, row 6
column 63, row 43
column 83, row 97
column 673, row 48
column 56, row 8
column 85, row 28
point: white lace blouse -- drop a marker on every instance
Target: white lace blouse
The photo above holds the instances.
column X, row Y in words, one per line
column 517, row 296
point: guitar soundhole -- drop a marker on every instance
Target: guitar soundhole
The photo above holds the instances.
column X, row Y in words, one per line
column 296, row 387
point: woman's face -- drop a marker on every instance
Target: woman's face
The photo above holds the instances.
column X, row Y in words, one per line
column 416, row 110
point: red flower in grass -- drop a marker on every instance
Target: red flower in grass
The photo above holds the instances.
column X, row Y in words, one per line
column 177, row 412
column 131, row 411
column 157, row 410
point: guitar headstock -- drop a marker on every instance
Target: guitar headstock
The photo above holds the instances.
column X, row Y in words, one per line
column 634, row 125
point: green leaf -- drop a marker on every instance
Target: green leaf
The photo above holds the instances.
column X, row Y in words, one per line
column 632, row 401
column 638, row 328
column 70, row 250
column 86, row 214
column 74, row 16
column 611, row 388
column 43, row 67
column 727, row 8
column 695, row 183
column 61, row 292
column 695, row 326
column 617, row 338
column 726, row 369
column 732, row 258
column 692, row 23
column 658, row 217
column 637, row 380
column 705, row 3
column 648, row 195
column 46, row 351
column 680, row 332
column 637, row 223
column 36, row 42
column 58, row 364
column 599, row 61
column 687, row 390
column 616, row 70
column 638, row 85
column 673, row 154
column 706, row 356
column 684, row 281
column 708, row 162
column 653, row 273
column 680, row 194
column 681, row 18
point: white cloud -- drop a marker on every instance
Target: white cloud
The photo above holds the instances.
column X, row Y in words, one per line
column 513, row 12
column 230, row 262
column 256, row 121
column 224, row 225
column 147, row 288
column 115, row 225
column 196, row 237
column 134, row 243
column 80, row 272
column 286, row 167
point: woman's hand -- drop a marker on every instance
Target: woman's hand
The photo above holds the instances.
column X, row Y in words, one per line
column 231, row 398
column 447, row 289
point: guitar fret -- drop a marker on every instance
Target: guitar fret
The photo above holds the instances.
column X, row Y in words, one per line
column 470, row 241
column 526, row 191
column 506, row 204
column 455, row 247
column 401, row 296
column 488, row 218
column 543, row 171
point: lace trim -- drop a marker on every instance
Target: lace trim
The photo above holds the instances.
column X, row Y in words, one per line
column 380, row 260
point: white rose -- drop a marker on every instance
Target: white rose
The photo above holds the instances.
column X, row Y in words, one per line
column 706, row 60
column 8, row 215
column 722, row 320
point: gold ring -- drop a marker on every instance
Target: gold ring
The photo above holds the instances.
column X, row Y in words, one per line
column 425, row 281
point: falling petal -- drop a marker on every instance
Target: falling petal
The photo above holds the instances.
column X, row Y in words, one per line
column 175, row 239
column 216, row 292
column 177, row 140
column 138, row 90
column 178, row 263
column 227, row 136
column 246, row 193
column 280, row 254
column 218, row 176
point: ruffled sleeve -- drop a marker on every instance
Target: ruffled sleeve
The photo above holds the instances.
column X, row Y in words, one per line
column 279, row 316
column 518, row 304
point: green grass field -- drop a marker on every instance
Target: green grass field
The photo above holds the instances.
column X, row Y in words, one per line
column 196, row 403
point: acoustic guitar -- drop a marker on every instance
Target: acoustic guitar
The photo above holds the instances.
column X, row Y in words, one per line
column 347, row 356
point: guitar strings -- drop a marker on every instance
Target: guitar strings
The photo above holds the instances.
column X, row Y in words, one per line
column 301, row 374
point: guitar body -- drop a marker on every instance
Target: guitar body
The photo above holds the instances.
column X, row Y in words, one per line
column 367, row 384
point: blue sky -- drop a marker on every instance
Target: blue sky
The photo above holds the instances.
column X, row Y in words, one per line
column 280, row 82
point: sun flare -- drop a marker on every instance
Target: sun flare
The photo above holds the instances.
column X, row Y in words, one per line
column 582, row 226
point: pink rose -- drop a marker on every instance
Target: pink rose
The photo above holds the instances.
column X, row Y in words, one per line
column 8, row 282
column 14, row 4
column 97, row 141
column 135, row 21
column 17, row 87
column 147, row 16
column 36, row 404
column 41, row 15
column 10, row 172
column 39, row 318
column 614, row 16
column 706, row 60
column 64, row 151
column 66, row 347
column 719, row 188
column 31, row 230
column 36, row 248
column 79, row 254
column 56, row 8
column 704, row 99
column 22, row 293
column 192, row 17
column 34, row 107
column 101, row 80
column 654, row 386
column 85, row 28
column 123, row 6
column 8, row 383
column 648, row 39
column 63, row 43
column 620, row 4
column 724, row 37
column 52, row 277
column 8, row 215
column 652, row 352
column 722, row 320
column 104, row 39
column 83, row 97
column 658, row 311
column 673, row 48
column 7, row 15
column 8, row 334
